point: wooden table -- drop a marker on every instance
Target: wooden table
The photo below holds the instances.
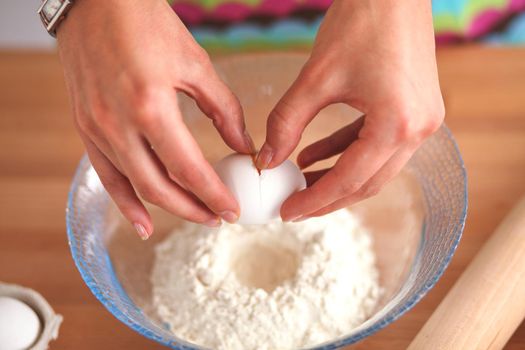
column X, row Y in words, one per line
column 484, row 91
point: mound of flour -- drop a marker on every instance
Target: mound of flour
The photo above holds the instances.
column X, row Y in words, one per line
column 276, row 286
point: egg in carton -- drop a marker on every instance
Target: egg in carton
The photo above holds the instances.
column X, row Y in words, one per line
column 26, row 303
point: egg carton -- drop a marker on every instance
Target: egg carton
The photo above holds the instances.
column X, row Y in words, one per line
column 50, row 321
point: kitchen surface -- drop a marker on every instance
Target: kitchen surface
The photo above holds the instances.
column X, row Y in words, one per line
column 484, row 91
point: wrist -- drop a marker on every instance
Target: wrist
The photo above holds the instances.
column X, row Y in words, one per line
column 80, row 18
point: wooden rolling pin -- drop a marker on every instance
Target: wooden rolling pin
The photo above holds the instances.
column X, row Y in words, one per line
column 487, row 303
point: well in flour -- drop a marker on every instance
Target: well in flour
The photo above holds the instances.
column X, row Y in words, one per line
column 274, row 286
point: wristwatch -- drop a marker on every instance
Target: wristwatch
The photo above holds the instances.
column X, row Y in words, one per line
column 53, row 12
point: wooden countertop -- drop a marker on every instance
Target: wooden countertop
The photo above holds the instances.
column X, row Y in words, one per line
column 484, row 91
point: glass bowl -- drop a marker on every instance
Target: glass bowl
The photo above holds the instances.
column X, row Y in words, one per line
column 416, row 221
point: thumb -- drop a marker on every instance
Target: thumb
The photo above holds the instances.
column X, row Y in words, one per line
column 286, row 123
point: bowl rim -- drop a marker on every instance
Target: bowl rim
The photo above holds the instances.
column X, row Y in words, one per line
column 342, row 341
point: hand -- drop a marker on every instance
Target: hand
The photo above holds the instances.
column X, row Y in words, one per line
column 124, row 61
column 379, row 57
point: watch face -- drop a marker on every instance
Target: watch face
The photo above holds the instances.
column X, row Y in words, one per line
column 51, row 8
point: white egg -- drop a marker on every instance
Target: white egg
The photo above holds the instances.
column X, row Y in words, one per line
column 260, row 196
column 19, row 325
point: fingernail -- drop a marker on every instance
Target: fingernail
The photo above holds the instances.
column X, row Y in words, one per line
column 301, row 218
column 249, row 142
column 264, row 157
column 216, row 222
column 229, row 216
column 141, row 231
column 292, row 219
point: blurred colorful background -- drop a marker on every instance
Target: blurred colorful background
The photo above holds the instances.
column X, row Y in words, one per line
column 233, row 25
column 237, row 24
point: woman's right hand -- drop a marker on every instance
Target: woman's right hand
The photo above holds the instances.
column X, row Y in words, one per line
column 124, row 61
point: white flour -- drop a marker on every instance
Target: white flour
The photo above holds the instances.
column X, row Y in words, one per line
column 277, row 286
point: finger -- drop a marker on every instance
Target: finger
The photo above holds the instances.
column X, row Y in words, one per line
column 89, row 132
column 120, row 189
column 331, row 145
column 313, row 176
column 151, row 181
column 173, row 144
column 375, row 184
column 219, row 103
column 104, row 146
column 353, row 169
column 285, row 125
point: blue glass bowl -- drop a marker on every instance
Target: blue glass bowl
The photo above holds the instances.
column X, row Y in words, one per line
column 416, row 221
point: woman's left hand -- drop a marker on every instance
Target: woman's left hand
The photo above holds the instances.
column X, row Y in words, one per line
column 379, row 57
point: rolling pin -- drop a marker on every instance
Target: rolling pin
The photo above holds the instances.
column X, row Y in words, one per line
column 487, row 303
